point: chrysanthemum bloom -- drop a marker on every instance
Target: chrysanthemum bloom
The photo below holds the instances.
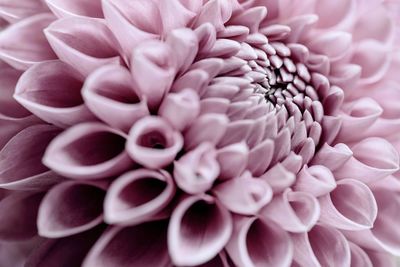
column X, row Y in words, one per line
column 199, row 133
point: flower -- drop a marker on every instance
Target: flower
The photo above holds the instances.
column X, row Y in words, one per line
column 200, row 133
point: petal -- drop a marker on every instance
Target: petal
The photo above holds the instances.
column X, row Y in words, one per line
column 141, row 245
column 26, row 149
column 21, row 210
column 333, row 44
column 196, row 171
column 138, row 195
column 331, row 14
column 174, row 15
column 232, row 160
column 244, row 195
column 373, row 159
column 317, row 180
column 350, row 206
column 264, row 150
column 332, row 157
column 380, row 259
column 109, row 93
column 153, row 143
column 236, row 132
column 359, row 258
column 87, row 8
column 13, row 11
column 294, row 211
column 84, row 48
column 279, row 178
column 259, row 242
column 198, row 230
column 52, row 91
column 70, row 208
column 88, row 151
column 24, row 44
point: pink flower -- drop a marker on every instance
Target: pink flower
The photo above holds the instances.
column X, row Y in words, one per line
column 199, row 133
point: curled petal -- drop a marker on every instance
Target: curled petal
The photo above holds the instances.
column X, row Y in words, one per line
column 26, row 149
column 108, row 93
column 259, row 242
column 88, row 151
column 186, row 103
column 196, row 171
column 332, row 157
column 317, row 180
column 315, row 248
column 279, row 178
column 137, row 195
column 350, row 206
column 373, row 159
column 294, row 211
column 21, row 210
column 52, row 91
column 214, row 12
column 359, row 258
column 87, row 8
column 73, row 43
column 232, row 160
column 140, row 245
column 221, row 260
column 153, row 143
column 70, row 208
column 345, row 76
column 244, row 195
column 333, row 44
column 24, row 44
column 13, row 11
column 198, row 230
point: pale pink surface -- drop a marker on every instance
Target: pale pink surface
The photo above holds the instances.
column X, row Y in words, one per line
column 199, row 133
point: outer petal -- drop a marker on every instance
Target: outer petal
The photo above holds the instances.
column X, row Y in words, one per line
column 24, row 44
column 141, row 245
column 70, row 208
column 317, row 180
column 109, row 93
column 198, row 230
column 359, row 258
column 153, row 142
column 232, row 160
column 332, row 157
column 259, row 242
column 13, row 11
column 137, row 195
column 88, row 151
column 67, row 8
column 52, row 91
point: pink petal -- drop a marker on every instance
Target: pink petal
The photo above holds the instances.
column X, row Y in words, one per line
column 84, row 48
column 88, row 151
column 259, row 242
column 317, row 180
column 331, row 14
column 26, row 149
column 250, row 18
column 174, row 15
column 196, row 171
column 109, row 93
column 380, row 259
column 52, row 91
column 185, row 41
column 333, row 44
column 24, row 44
column 141, row 245
column 359, row 258
column 21, row 210
column 13, row 11
column 264, row 150
column 153, row 143
column 279, row 178
column 198, row 230
column 218, row 261
column 332, row 157
column 70, row 208
column 68, row 8
column 350, row 206
column 137, row 195
column 373, row 159
column 293, row 211
column 232, row 160
column 244, row 195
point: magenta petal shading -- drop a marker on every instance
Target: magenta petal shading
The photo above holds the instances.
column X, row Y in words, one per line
column 381, row 259
column 13, row 11
column 196, row 171
column 317, row 180
column 332, row 157
column 140, row 245
column 221, row 260
column 64, row 252
column 315, row 249
column 24, row 44
column 83, row 202
column 138, row 195
column 373, row 159
column 350, row 206
column 244, row 195
column 359, row 258
column 153, row 143
column 67, row 8
column 232, row 160
column 21, row 210
column 84, row 48
column 88, row 151
column 293, row 211
column 259, row 242
column 52, row 91
column 109, row 93
column 198, row 230
column 26, row 149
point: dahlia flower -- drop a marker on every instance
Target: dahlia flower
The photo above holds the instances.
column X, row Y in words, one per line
column 224, row 133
